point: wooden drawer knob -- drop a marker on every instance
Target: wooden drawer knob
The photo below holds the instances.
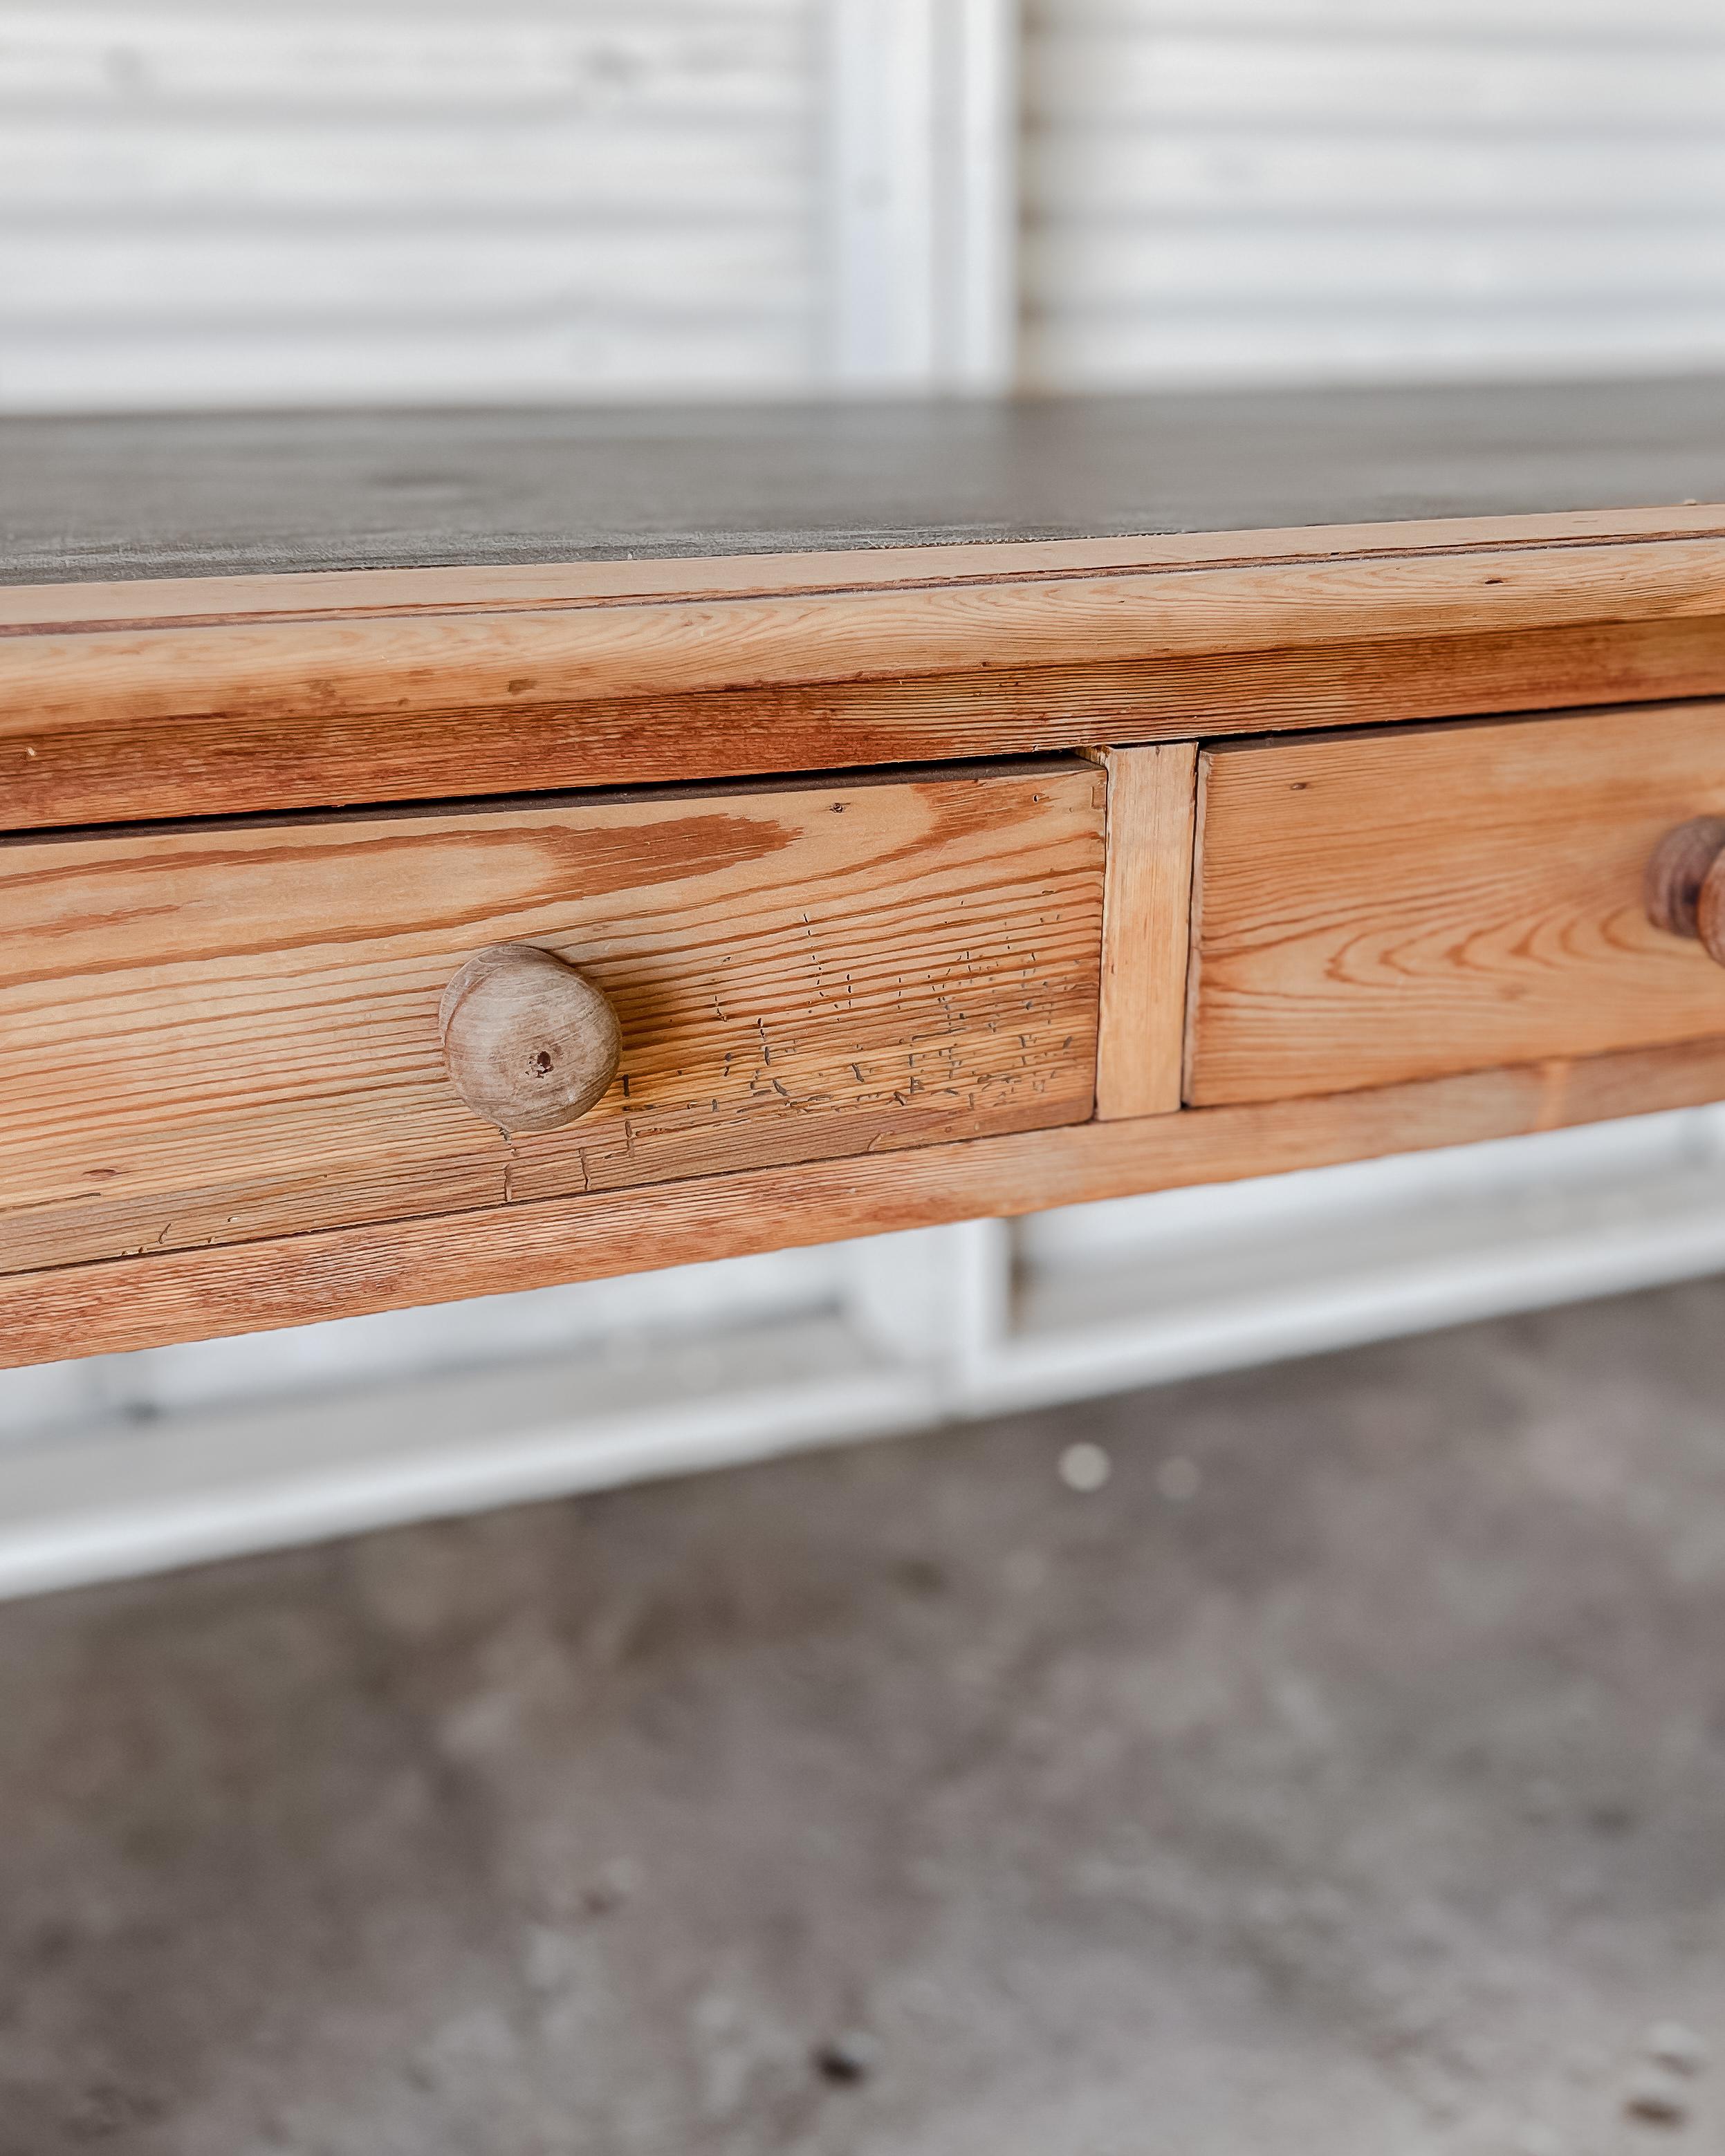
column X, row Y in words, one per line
column 530, row 1042
column 1685, row 887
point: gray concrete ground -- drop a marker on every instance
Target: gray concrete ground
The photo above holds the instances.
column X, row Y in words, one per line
column 1346, row 1775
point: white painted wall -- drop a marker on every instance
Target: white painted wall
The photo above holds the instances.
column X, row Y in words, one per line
column 921, row 132
column 241, row 202
column 222, row 202
column 310, row 202
column 1335, row 189
column 233, row 202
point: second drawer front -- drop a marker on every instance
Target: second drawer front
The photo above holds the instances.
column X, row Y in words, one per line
column 227, row 1031
column 1375, row 907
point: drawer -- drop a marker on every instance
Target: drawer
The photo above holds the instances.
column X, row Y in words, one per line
column 1378, row 907
column 229, row 1030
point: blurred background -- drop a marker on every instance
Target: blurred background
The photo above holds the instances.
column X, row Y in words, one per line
column 228, row 203
column 225, row 202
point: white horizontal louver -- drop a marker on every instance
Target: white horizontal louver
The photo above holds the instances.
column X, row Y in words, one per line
column 240, row 204
column 1316, row 189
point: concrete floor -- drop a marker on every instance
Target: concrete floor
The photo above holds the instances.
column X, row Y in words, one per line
column 1346, row 1775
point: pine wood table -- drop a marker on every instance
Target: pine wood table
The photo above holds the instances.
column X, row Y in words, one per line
column 449, row 853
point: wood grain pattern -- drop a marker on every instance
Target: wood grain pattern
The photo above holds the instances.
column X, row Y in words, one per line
column 197, row 1294
column 1381, row 906
column 376, row 663
column 218, row 762
column 1145, row 918
column 139, row 719
column 231, row 1030
column 68, row 601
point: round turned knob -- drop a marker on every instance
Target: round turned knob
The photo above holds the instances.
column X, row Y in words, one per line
column 1685, row 887
column 530, row 1042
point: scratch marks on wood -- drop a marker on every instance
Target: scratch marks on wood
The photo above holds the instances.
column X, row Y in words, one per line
column 248, row 1023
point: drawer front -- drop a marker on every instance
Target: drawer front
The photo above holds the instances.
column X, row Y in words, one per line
column 1379, row 907
column 227, row 1031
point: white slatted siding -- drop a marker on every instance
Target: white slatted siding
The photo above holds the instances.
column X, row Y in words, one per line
column 1314, row 189
column 253, row 202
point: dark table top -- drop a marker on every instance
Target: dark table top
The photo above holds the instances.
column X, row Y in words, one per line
column 169, row 496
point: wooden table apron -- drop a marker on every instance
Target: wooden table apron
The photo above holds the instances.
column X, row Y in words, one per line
column 1042, row 864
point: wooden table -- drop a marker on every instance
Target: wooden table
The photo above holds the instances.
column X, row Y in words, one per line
column 928, row 812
